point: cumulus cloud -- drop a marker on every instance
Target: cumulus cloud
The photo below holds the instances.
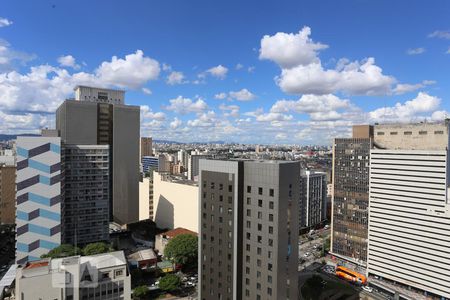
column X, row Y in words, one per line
column 239, row 66
column 230, row 110
column 302, row 71
column 415, row 51
column 206, row 119
column 5, row 22
column 289, row 50
column 218, row 72
column 409, row 111
column 68, row 61
column 220, row 96
column 175, row 78
column 271, row 116
column 176, row 123
column 311, row 104
column 183, row 105
column 242, row 95
column 441, row 34
column 147, row 114
column 10, row 57
column 403, row 88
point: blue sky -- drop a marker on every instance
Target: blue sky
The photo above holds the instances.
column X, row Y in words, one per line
column 286, row 72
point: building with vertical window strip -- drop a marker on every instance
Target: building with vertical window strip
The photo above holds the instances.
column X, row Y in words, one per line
column 248, row 245
column 409, row 211
column 313, row 205
column 351, row 195
column 38, row 197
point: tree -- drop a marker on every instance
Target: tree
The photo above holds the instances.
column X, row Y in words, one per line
column 63, row 250
column 182, row 249
column 169, row 282
column 140, row 292
column 96, row 248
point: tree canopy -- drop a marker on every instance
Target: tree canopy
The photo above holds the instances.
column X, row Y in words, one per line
column 96, row 248
column 169, row 282
column 63, row 250
column 140, row 291
column 182, row 249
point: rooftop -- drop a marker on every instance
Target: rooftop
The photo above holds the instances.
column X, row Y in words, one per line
column 144, row 254
column 177, row 231
column 36, row 264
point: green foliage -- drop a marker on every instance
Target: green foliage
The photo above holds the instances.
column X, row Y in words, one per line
column 182, row 249
column 327, row 244
column 63, row 250
column 169, row 282
column 140, row 291
column 96, row 248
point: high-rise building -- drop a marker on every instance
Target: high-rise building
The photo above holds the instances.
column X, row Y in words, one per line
column 38, row 197
column 150, row 164
column 248, row 246
column 100, row 117
column 7, row 194
column 312, row 206
column 351, row 195
column 409, row 219
column 103, row 276
column 193, row 168
column 85, row 193
column 183, row 158
column 146, row 146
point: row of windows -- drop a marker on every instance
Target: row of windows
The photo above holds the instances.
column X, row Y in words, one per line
column 260, row 203
column 260, row 191
column 422, row 132
column 213, row 185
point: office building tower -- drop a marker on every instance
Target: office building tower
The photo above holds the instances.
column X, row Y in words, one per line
column 38, row 197
column 409, row 219
column 183, row 158
column 163, row 164
column 100, row 117
column 146, row 146
column 85, row 194
column 248, row 246
column 150, row 164
column 193, row 168
column 313, row 191
column 351, row 195
column 7, row 194
column 103, row 276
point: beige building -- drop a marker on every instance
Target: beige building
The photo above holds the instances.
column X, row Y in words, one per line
column 146, row 199
column 7, row 194
column 175, row 202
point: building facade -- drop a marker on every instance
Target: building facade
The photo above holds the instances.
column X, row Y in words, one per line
column 106, row 120
column 149, row 164
column 249, row 230
column 313, row 200
column 351, row 195
column 85, row 193
column 103, row 276
column 7, row 194
column 146, row 146
column 38, row 197
column 409, row 219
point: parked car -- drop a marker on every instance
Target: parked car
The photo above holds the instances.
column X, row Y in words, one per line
column 367, row 289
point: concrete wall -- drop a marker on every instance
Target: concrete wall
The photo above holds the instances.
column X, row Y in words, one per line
column 175, row 204
column 144, row 202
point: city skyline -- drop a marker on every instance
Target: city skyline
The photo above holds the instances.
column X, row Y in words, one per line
column 296, row 73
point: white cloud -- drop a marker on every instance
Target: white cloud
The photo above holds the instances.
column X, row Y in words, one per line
column 281, row 136
column 239, row 66
column 311, row 104
column 403, row 88
column 442, row 34
column 185, row 105
column 271, row 116
column 218, row 71
column 302, row 71
column 147, row 91
column 5, row 22
column 131, row 72
column 166, row 67
column 9, row 57
column 251, row 69
column 415, row 51
column 176, row 123
column 147, row 114
column 289, row 50
column 68, row 61
column 220, row 96
column 410, row 111
column 175, row 78
column 207, row 119
column 242, row 95
column 231, row 110
column 440, row 115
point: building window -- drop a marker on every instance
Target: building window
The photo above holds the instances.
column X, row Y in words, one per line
column 230, row 188
column 260, row 191
column 249, row 201
column 220, row 186
column 247, row 258
column 422, row 132
column 259, row 239
column 259, row 215
column 247, row 270
column 259, row 227
column 269, row 278
column 407, row 133
column 249, row 189
column 393, row 133
column 258, row 262
column 269, row 291
column 269, row 267
column 270, row 229
column 212, row 185
column 220, row 198
column 247, row 247
column 248, row 224
column 260, row 203
column 258, row 286
column 271, row 217
column 271, row 192
column 249, row 213
column 270, row 242
column 380, row 133
column 248, row 235
column 271, row 204
column 439, row 132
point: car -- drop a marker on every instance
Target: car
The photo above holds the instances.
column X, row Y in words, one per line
column 367, row 289
column 327, row 226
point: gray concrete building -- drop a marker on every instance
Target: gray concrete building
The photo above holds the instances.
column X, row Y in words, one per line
column 313, row 199
column 104, row 119
column 350, row 200
column 85, row 193
column 409, row 208
column 248, row 245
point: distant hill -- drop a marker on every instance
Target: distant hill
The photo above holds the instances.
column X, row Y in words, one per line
column 7, row 137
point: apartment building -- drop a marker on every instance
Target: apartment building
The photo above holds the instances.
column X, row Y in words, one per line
column 350, row 199
column 38, row 197
column 146, row 146
column 85, row 193
column 100, row 117
column 103, row 277
column 248, row 245
column 409, row 219
column 313, row 198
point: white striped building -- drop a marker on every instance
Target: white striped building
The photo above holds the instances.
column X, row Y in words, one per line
column 409, row 209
